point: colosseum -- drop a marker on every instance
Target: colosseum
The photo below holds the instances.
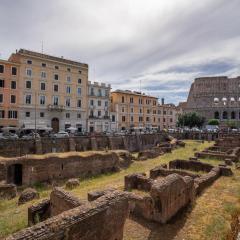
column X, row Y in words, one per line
column 215, row 98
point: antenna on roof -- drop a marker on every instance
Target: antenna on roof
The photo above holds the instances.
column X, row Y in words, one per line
column 42, row 46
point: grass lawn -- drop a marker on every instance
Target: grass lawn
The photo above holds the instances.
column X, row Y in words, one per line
column 208, row 219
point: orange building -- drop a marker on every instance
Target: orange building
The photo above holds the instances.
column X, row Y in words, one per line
column 9, row 100
column 133, row 109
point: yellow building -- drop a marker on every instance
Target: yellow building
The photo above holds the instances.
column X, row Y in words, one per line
column 133, row 109
column 52, row 91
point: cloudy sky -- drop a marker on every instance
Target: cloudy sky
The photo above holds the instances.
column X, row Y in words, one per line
column 158, row 46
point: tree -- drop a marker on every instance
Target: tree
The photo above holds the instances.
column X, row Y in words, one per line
column 213, row 122
column 191, row 119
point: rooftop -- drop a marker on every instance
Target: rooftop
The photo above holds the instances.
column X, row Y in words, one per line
column 51, row 58
column 133, row 93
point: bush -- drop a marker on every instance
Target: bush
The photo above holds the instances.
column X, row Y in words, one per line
column 214, row 122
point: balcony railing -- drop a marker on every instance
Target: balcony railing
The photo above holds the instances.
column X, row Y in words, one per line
column 58, row 108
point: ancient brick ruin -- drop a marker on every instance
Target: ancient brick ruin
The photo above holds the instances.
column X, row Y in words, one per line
column 226, row 147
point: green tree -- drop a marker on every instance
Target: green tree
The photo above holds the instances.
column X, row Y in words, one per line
column 213, row 122
column 191, row 119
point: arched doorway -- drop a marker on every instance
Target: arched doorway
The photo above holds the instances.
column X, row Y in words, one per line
column 216, row 115
column 225, row 115
column 55, row 125
column 233, row 115
column 14, row 174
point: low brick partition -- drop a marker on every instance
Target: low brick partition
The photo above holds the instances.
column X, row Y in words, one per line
column 159, row 171
column 103, row 219
column 138, row 181
column 191, row 165
column 206, row 180
column 61, row 201
column 39, row 212
column 8, row 191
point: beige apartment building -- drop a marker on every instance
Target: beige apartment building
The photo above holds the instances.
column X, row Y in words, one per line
column 133, row 109
column 99, row 107
column 52, row 91
column 9, row 83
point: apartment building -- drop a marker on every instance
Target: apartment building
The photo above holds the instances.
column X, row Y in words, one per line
column 133, row 109
column 99, row 107
column 9, row 83
column 167, row 115
column 52, row 91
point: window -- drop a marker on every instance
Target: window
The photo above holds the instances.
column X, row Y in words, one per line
column 29, row 61
column 106, row 103
column 99, row 113
column 28, row 84
column 42, row 100
column 131, row 99
column 91, row 102
column 92, row 92
column 123, row 118
column 2, row 113
column 14, row 71
column 68, row 69
column 171, row 120
column 113, row 118
column 2, row 83
column 131, row 118
column 99, row 92
column 44, row 64
column 79, row 103
column 68, row 79
column 164, row 112
column 68, row 89
column 12, row 114
column 148, row 111
column 28, row 99
column 29, row 72
column 79, row 115
column 147, row 119
column 41, row 114
column 13, row 85
column 140, row 119
column 79, row 81
column 43, row 74
column 99, row 103
column 1, row 68
column 68, row 102
column 55, row 100
column 67, row 115
column 1, row 98
column 42, row 86
column 56, row 67
column 123, row 109
column 131, row 110
column 13, row 99
column 27, row 114
column 79, row 71
column 55, row 88
column 122, row 99
column 79, row 91
column 56, row 77
column 140, row 110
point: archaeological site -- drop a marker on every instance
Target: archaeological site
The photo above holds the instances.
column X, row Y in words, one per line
column 147, row 188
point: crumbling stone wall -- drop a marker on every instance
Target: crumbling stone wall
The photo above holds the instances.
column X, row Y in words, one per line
column 8, row 191
column 54, row 167
column 138, row 181
column 196, row 166
column 61, row 201
column 103, row 219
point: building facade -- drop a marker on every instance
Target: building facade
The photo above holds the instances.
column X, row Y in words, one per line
column 9, row 102
column 99, row 107
column 52, row 91
column 215, row 98
column 133, row 109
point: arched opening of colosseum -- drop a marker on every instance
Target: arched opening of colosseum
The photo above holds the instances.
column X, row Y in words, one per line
column 233, row 115
column 225, row 115
column 14, row 174
column 216, row 115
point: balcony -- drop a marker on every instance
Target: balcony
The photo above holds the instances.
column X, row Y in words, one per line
column 58, row 108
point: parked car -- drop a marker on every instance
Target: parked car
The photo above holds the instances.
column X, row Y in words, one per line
column 61, row 134
column 31, row 136
column 8, row 135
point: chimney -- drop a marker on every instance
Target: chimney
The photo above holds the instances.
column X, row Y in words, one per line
column 162, row 100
